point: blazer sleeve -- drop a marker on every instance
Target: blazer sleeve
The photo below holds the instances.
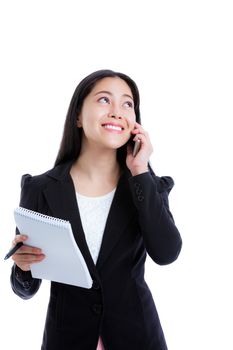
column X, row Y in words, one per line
column 161, row 237
column 22, row 282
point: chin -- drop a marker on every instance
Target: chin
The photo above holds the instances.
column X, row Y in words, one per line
column 117, row 145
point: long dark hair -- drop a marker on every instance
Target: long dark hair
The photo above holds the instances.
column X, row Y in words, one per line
column 71, row 140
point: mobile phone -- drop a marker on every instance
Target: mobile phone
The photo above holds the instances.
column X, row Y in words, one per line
column 136, row 147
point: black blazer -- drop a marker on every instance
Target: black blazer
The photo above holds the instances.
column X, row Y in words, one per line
column 119, row 306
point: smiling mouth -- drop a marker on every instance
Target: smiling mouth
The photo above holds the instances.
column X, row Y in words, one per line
column 113, row 127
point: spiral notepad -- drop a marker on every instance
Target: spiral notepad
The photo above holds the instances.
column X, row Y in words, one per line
column 63, row 262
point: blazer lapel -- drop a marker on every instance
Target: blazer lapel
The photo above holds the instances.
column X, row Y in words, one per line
column 121, row 212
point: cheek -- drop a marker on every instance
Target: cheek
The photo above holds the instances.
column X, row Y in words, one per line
column 89, row 116
column 131, row 121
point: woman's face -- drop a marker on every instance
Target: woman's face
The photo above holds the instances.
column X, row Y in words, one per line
column 107, row 116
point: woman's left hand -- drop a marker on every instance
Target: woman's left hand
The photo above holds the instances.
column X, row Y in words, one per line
column 139, row 164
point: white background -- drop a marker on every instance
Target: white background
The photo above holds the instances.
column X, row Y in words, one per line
column 180, row 54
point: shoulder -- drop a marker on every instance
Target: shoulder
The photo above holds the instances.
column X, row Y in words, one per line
column 42, row 180
column 36, row 181
column 33, row 187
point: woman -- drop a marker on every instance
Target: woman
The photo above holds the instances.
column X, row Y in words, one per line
column 118, row 210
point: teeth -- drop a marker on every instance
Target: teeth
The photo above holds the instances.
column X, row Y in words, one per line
column 107, row 126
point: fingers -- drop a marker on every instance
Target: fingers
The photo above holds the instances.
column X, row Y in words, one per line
column 25, row 249
column 137, row 124
column 29, row 250
column 141, row 134
column 26, row 255
column 19, row 238
column 138, row 131
column 24, row 261
column 140, row 137
column 27, row 258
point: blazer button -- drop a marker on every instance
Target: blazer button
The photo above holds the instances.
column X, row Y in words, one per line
column 138, row 192
column 97, row 308
column 26, row 285
column 140, row 198
column 95, row 285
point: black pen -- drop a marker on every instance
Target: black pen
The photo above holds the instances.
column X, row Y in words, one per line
column 13, row 250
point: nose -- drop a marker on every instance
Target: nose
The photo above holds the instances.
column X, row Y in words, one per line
column 115, row 116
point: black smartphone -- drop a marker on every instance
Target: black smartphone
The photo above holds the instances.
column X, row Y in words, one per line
column 136, row 147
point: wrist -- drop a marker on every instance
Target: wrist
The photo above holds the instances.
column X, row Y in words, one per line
column 138, row 171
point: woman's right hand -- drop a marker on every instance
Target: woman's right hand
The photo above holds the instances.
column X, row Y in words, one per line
column 26, row 255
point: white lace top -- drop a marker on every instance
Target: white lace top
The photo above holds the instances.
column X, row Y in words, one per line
column 94, row 212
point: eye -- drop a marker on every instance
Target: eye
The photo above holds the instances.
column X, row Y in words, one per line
column 104, row 100
column 128, row 104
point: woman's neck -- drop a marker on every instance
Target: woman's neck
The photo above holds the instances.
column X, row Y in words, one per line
column 95, row 173
column 98, row 164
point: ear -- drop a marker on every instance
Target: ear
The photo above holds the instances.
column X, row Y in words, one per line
column 79, row 124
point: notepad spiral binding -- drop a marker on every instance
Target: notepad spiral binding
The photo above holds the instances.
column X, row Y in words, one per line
column 34, row 215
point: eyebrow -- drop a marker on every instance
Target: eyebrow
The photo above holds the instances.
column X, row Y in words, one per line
column 109, row 93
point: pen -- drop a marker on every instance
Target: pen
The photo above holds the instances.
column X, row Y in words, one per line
column 13, row 250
